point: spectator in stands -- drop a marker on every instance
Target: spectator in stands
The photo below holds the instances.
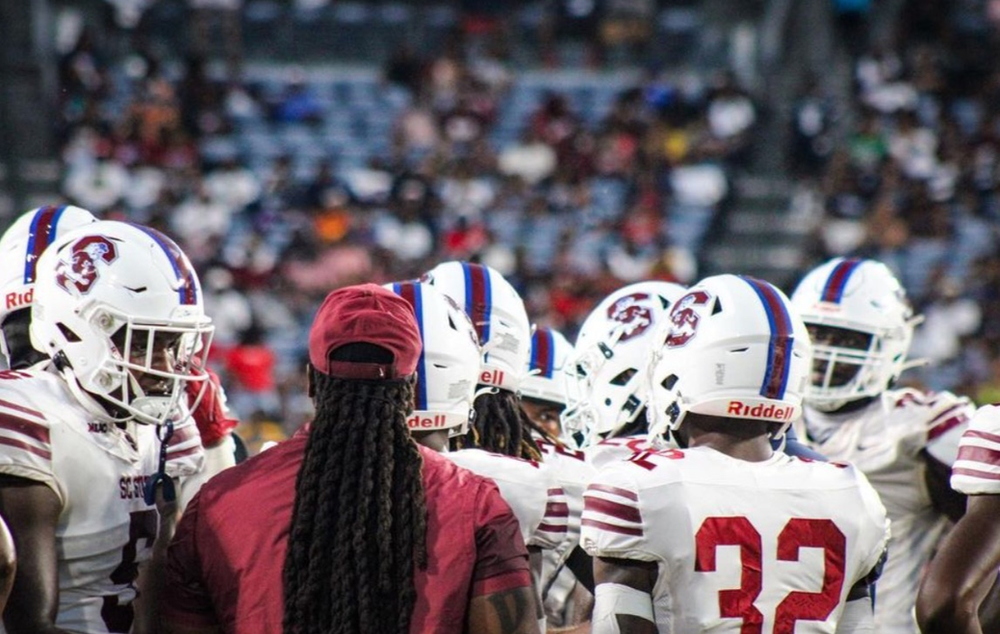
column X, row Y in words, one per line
column 297, row 104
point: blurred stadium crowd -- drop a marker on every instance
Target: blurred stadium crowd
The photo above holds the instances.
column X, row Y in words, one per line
column 284, row 181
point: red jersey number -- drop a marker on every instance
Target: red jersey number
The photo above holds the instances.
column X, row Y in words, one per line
column 796, row 606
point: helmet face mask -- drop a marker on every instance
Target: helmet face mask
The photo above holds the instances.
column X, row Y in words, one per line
column 839, row 355
column 118, row 308
column 862, row 326
column 608, row 388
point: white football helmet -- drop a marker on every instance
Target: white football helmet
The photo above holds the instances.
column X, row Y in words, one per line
column 861, row 325
column 21, row 245
column 118, row 307
column 449, row 364
column 497, row 313
column 548, row 364
column 733, row 348
column 607, row 390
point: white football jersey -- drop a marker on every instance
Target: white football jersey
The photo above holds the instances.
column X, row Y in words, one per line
column 99, row 471
column 770, row 546
column 572, row 473
column 528, row 487
column 885, row 440
column 977, row 469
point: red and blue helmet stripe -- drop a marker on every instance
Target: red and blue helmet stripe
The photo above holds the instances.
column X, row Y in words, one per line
column 779, row 351
column 188, row 292
column 44, row 225
column 833, row 290
column 543, row 352
column 478, row 298
column 412, row 293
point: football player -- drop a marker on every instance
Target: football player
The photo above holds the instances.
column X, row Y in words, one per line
column 20, row 247
column 728, row 535
column 118, row 313
column 498, row 315
column 904, row 440
column 206, row 433
column 500, row 445
column 544, row 394
column 953, row 591
column 543, row 388
column 608, row 399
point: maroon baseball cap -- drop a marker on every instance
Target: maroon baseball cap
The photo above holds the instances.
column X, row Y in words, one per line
column 366, row 313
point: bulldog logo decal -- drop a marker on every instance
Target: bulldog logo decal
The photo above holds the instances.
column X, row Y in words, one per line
column 633, row 313
column 86, row 257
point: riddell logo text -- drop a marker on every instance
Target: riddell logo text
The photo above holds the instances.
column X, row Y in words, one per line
column 16, row 300
column 418, row 422
column 491, row 377
column 771, row 412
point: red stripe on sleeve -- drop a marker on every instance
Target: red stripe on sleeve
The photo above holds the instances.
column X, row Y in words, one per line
column 22, row 409
column 552, row 528
column 982, row 455
column 41, row 453
column 613, row 509
column 944, row 427
column 973, row 433
column 611, row 528
column 625, row 493
column 25, row 428
column 975, row 473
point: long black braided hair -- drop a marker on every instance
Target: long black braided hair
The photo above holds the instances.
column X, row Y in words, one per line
column 359, row 524
column 501, row 426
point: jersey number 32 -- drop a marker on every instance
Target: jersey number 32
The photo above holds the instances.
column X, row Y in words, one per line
column 796, row 606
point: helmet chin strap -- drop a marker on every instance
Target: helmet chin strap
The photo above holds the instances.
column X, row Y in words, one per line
column 88, row 400
column 153, row 410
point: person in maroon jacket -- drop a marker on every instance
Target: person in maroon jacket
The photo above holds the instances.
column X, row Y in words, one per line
column 349, row 526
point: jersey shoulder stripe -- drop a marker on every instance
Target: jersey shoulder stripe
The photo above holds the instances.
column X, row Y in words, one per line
column 553, row 528
column 977, row 468
column 25, row 428
column 612, row 509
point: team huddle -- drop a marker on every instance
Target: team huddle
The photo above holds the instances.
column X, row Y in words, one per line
column 712, row 458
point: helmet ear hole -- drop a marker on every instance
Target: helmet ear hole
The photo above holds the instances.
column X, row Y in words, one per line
column 718, row 306
column 669, row 382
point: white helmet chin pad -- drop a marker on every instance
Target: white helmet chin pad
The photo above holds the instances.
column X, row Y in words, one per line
column 119, row 307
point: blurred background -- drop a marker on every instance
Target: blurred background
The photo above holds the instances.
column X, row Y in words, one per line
column 575, row 145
